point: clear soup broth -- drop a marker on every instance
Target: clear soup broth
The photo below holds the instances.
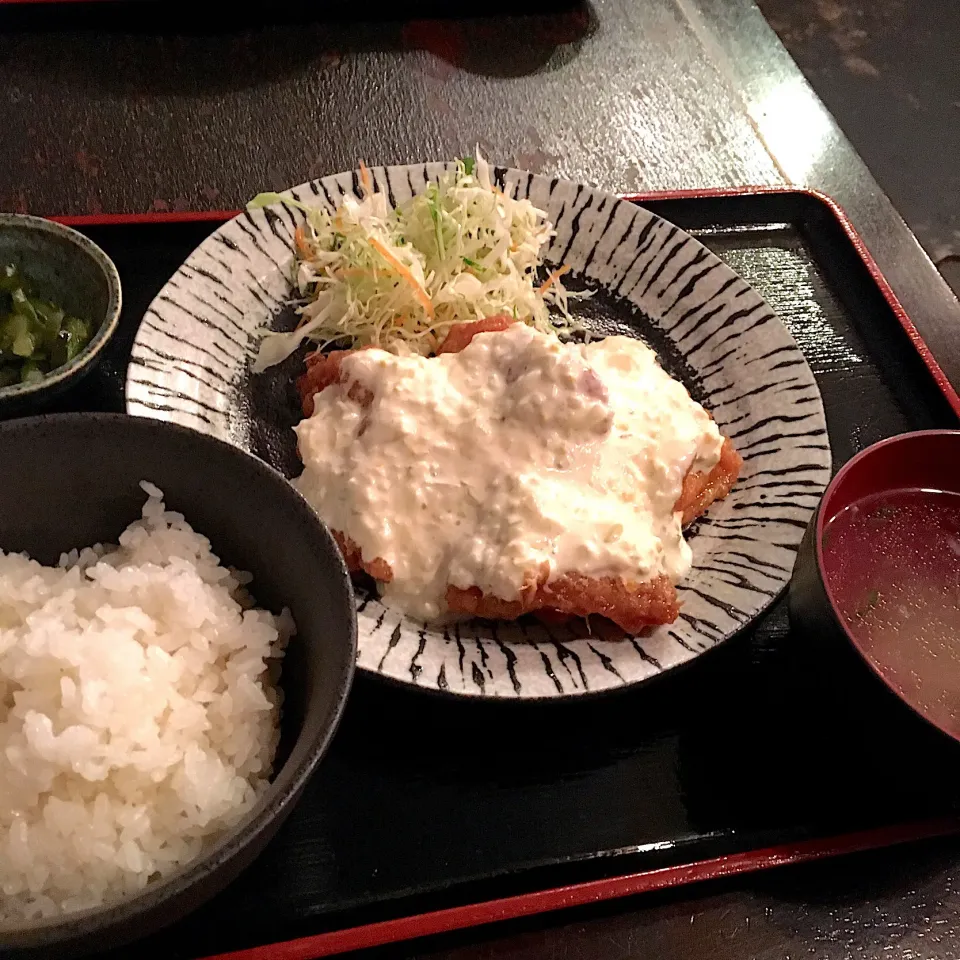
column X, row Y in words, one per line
column 892, row 562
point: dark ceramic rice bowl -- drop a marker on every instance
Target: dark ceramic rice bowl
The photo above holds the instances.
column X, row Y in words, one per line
column 73, row 480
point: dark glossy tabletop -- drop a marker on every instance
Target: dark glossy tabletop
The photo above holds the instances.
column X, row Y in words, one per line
column 154, row 106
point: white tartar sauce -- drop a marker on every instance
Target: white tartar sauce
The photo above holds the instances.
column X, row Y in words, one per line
column 518, row 454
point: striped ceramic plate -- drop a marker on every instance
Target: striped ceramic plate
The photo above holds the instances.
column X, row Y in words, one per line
column 191, row 364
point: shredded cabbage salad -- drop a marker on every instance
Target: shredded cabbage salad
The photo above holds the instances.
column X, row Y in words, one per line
column 400, row 278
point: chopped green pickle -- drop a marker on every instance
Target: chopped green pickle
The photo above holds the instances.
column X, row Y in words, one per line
column 36, row 336
column 31, row 371
column 24, row 345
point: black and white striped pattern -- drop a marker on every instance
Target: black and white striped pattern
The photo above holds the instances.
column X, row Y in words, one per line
column 191, row 365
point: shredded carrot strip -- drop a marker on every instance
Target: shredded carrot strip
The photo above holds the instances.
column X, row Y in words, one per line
column 552, row 279
column 365, row 178
column 405, row 274
column 300, row 239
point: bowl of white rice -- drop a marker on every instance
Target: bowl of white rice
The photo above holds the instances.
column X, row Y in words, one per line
column 177, row 642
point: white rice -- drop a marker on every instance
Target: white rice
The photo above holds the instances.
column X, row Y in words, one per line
column 138, row 713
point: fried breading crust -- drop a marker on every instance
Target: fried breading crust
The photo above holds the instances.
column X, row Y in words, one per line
column 461, row 334
column 632, row 606
column 323, row 370
column 701, row 489
column 378, row 568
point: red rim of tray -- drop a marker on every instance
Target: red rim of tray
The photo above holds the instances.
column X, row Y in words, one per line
column 920, row 345
column 559, row 898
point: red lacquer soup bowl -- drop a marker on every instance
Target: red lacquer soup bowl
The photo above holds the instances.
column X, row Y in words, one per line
column 879, row 567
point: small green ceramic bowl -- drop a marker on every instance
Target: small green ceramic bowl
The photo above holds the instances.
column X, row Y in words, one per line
column 73, row 272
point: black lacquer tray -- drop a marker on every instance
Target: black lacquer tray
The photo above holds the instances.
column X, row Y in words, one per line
column 431, row 814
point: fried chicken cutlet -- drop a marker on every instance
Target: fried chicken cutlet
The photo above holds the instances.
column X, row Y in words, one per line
column 560, row 567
